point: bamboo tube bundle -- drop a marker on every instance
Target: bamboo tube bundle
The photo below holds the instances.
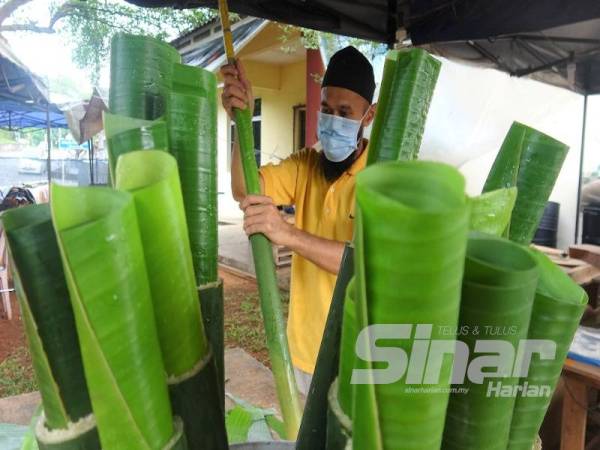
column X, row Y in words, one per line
column 141, row 70
column 531, row 161
column 409, row 79
column 103, row 259
column 497, row 297
column 126, row 134
column 67, row 421
column 152, row 178
column 557, row 309
column 425, row 207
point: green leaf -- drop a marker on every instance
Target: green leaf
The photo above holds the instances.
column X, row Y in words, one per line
column 103, row 259
column 141, row 72
column 238, row 422
column 47, row 314
column 557, row 309
column 531, row 161
column 419, row 208
column 152, row 178
column 126, row 134
column 491, row 212
column 348, row 352
column 192, row 120
column 497, row 297
column 409, row 79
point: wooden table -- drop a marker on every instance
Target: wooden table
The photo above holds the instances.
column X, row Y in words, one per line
column 578, row 378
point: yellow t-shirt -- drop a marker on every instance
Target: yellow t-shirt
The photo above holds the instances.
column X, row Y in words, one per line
column 326, row 210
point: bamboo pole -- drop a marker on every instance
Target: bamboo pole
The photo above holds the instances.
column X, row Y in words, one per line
column 270, row 298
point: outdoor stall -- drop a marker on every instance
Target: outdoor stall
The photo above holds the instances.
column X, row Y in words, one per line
column 447, row 328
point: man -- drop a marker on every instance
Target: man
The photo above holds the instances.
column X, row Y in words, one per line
column 320, row 183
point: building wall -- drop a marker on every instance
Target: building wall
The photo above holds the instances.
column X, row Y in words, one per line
column 280, row 87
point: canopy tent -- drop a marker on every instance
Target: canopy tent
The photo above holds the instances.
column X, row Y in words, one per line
column 23, row 96
column 554, row 41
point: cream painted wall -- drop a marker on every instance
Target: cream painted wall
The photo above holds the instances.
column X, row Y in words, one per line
column 280, row 88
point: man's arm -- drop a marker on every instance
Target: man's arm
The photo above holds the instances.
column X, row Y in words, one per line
column 262, row 216
column 238, row 185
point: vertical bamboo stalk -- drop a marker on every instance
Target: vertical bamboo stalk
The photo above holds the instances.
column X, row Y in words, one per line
column 264, row 264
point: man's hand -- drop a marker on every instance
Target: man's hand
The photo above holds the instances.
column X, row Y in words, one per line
column 262, row 216
column 237, row 90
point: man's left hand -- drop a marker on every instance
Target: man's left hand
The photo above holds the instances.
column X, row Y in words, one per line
column 262, row 216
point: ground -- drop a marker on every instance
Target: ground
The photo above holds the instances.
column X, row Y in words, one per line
column 243, row 328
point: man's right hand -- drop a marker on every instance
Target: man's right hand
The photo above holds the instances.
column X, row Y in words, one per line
column 237, row 90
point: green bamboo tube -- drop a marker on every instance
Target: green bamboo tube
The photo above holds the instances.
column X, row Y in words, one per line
column 126, row 134
column 103, row 260
column 409, row 79
column 50, row 327
column 339, row 425
column 531, row 161
column 152, row 178
column 425, row 207
column 141, row 71
column 192, row 123
column 270, row 299
column 313, row 429
column 498, row 289
column 211, row 302
column 557, row 309
column 491, row 212
column 348, row 353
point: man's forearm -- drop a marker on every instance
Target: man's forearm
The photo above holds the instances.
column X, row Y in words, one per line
column 325, row 253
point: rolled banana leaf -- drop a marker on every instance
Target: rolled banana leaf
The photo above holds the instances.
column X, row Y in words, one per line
column 313, row 429
column 557, row 309
column 141, row 75
column 348, row 353
column 426, row 216
column 531, row 161
column 152, row 179
column 497, row 297
column 192, row 123
column 103, row 259
column 49, row 325
column 339, row 425
column 126, row 134
column 268, row 290
column 409, row 79
column 491, row 212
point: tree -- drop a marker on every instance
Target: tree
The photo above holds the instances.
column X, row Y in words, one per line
column 90, row 24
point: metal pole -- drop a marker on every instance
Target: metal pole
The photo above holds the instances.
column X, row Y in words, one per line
column 585, row 106
column 91, row 159
column 49, row 141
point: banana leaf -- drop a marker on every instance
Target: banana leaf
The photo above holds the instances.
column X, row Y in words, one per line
column 141, row 75
column 126, row 134
column 49, row 322
column 557, row 309
column 339, row 425
column 103, row 260
column 347, row 353
column 268, row 290
column 491, row 212
column 420, row 208
column 313, row 429
column 409, row 79
column 531, row 161
column 152, row 178
column 498, row 289
column 192, row 121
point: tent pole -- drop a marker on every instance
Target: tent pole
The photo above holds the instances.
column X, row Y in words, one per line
column 583, row 129
column 49, row 142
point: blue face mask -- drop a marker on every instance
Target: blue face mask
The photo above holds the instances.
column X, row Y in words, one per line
column 338, row 136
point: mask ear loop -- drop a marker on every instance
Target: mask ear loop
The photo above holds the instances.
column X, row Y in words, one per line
column 362, row 126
